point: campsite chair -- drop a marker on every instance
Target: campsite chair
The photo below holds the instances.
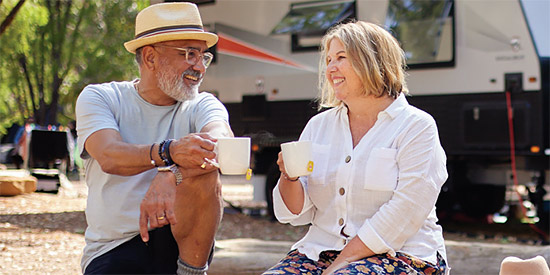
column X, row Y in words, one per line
column 48, row 157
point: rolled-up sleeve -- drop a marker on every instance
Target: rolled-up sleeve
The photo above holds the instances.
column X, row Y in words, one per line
column 422, row 171
column 284, row 215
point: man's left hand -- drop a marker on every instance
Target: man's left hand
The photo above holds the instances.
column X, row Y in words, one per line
column 192, row 151
column 157, row 207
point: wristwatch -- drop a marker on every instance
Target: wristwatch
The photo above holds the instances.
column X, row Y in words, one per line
column 174, row 169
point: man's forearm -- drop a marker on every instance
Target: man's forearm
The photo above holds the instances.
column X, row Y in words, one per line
column 121, row 158
column 126, row 159
column 118, row 157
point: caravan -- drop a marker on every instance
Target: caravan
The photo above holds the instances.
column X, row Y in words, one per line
column 475, row 66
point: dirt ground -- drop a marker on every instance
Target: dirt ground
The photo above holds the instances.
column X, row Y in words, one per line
column 42, row 233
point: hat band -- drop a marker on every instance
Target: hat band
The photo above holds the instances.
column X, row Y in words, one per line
column 170, row 29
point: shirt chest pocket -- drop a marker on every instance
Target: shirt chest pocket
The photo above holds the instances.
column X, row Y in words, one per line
column 381, row 171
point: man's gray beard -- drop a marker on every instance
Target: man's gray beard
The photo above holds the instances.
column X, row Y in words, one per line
column 174, row 86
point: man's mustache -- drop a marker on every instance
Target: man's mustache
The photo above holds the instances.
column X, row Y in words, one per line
column 192, row 74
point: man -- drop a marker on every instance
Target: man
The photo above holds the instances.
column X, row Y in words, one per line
column 125, row 129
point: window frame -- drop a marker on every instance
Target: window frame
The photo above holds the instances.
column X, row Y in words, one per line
column 436, row 64
column 296, row 37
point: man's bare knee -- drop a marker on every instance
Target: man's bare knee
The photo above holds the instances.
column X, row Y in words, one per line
column 198, row 206
column 198, row 212
column 201, row 187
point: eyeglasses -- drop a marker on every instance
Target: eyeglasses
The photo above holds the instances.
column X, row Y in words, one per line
column 192, row 55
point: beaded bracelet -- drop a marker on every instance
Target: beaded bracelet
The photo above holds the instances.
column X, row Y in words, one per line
column 161, row 146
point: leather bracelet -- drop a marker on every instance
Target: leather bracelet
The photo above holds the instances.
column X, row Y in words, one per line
column 289, row 179
column 167, row 151
column 151, row 155
column 164, row 151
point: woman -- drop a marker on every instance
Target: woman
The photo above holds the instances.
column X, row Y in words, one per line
column 379, row 167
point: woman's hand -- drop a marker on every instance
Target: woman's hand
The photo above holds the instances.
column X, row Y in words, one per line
column 353, row 251
column 337, row 264
column 281, row 164
column 291, row 189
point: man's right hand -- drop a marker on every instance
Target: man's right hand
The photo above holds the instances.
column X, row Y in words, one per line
column 157, row 206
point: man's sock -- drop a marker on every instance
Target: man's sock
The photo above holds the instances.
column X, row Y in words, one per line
column 186, row 269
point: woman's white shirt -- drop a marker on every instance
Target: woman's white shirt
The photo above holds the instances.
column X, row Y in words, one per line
column 383, row 191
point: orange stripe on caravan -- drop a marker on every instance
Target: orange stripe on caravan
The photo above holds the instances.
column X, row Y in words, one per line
column 229, row 45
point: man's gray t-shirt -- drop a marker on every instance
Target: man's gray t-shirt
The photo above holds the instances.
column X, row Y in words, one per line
column 112, row 210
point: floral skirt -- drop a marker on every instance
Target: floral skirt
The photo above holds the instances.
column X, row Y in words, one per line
column 298, row 263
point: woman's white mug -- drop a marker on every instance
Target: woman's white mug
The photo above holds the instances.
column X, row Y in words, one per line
column 297, row 158
column 233, row 154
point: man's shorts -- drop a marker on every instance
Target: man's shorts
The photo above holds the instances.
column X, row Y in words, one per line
column 158, row 256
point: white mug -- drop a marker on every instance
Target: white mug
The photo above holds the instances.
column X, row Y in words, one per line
column 233, row 154
column 297, row 158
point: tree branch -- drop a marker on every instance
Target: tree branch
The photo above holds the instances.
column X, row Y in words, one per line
column 74, row 38
column 23, row 63
column 19, row 95
column 7, row 21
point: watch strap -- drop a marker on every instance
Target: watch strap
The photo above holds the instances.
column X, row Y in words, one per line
column 175, row 170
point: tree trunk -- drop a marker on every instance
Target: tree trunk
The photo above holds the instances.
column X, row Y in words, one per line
column 23, row 64
column 19, row 94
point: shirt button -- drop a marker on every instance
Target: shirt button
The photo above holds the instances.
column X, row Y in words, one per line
column 341, row 221
column 342, row 191
column 348, row 158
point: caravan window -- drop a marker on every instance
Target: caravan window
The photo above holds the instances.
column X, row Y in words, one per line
column 313, row 18
column 308, row 21
column 425, row 30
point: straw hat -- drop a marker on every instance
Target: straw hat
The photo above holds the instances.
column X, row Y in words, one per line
column 169, row 21
column 517, row 266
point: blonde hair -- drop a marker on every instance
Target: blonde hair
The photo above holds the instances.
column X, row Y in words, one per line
column 375, row 56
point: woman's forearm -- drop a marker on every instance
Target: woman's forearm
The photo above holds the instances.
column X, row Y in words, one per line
column 354, row 250
column 292, row 193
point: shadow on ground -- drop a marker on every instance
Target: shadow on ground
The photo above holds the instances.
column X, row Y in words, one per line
column 72, row 222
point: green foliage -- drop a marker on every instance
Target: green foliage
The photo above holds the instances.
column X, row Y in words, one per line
column 54, row 48
column 12, row 42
